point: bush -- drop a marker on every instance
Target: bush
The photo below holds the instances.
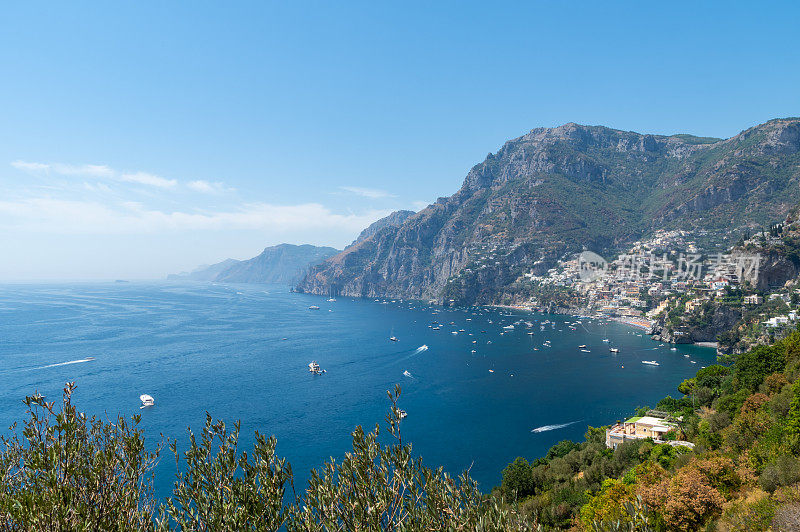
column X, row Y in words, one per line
column 518, row 479
column 785, row 470
column 69, row 473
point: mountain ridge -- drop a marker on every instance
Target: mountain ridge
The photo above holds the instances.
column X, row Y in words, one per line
column 280, row 264
column 558, row 190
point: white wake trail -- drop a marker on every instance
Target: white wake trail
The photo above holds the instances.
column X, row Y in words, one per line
column 66, row 363
column 545, row 428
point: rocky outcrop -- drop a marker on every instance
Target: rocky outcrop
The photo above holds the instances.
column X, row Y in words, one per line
column 395, row 219
column 565, row 189
column 702, row 326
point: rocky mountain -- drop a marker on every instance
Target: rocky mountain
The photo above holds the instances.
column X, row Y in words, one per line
column 395, row 219
column 564, row 189
column 281, row 264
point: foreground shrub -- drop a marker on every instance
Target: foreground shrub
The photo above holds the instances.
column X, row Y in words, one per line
column 69, row 473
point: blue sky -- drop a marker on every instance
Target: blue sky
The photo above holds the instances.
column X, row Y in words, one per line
column 143, row 138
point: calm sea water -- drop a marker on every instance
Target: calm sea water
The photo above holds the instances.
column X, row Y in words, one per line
column 241, row 352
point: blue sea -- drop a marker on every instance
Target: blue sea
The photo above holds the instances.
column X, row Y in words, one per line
column 241, row 352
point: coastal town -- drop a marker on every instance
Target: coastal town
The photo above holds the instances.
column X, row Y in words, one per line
column 666, row 283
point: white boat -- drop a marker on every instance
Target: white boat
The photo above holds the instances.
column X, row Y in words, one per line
column 509, row 327
column 406, row 373
column 605, row 339
column 614, row 350
column 403, row 414
column 146, row 400
column 650, row 362
column 673, row 348
column 585, row 351
column 582, row 346
column 393, row 339
column 313, row 307
column 314, row 368
column 331, row 300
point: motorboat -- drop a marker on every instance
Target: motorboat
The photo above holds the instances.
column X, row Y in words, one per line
column 403, row 414
column 614, row 350
column 314, row 368
column 147, row 400
column 313, row 307
column 650, row 362
column 582, row 346
column 393, row 339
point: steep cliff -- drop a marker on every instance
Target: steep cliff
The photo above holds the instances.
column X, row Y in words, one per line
column 564, row 189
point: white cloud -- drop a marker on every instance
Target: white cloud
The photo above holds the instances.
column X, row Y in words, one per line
column 30, row 167
column 56, row 216
column 207, row 187
column 419, row 205
column 143, row 178
column 99, row 171
column 368, row 192
column 91, row 170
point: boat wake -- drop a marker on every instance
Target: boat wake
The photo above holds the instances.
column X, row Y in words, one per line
column 420, row 349
column 545, row 428
column 89, row 359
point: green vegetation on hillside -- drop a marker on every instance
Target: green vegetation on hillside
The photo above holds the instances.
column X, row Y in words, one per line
column 743, row 473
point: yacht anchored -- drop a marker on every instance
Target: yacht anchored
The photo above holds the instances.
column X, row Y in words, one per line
column 393, row 339
column 650, row 362
column 313, row 307
column 314, row 368
column 614, row 350
column 146, row 400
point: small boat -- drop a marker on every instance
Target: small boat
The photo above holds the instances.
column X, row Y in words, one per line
column 314, row 368
column 491, row 371
column 585, row 351
column 393, row 339
column 474, row 351
column 673, row 348
column 331, row 300
column 313, row 307
column 406, row 373
column 509, row 327
column 605, row 339
column 650, row 362
column 146, row 400
column 582, row 346
column 614, row 350
column 403, row 414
